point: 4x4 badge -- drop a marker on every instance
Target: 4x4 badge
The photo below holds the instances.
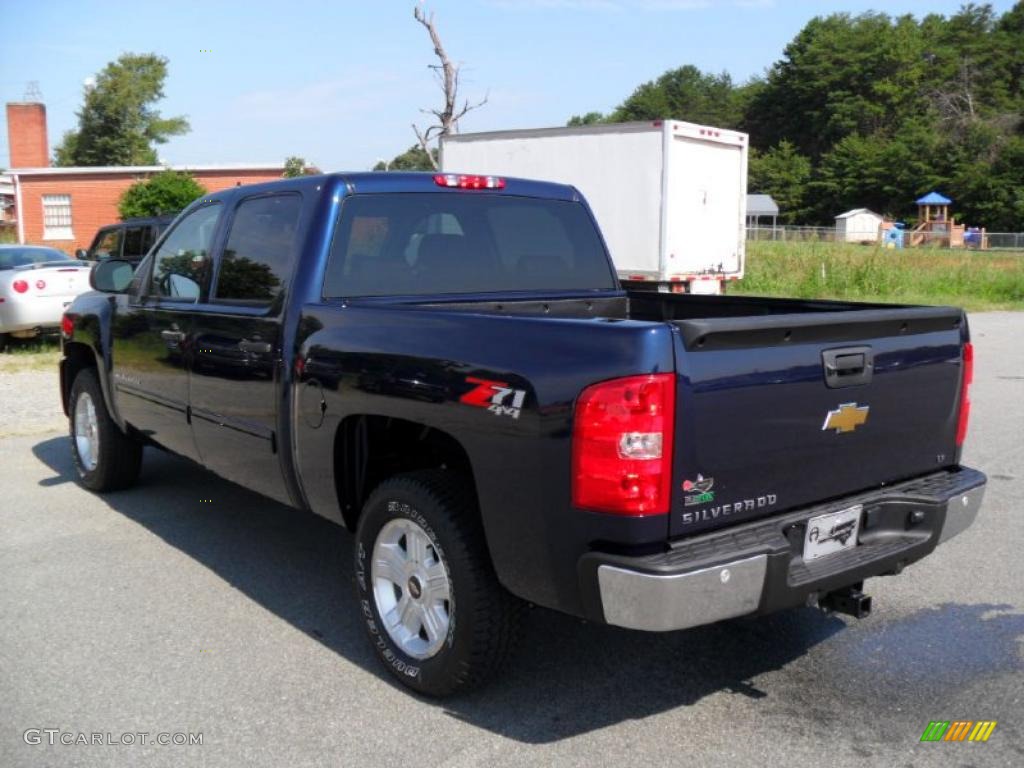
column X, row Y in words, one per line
column 846, row 418
column 496, row 396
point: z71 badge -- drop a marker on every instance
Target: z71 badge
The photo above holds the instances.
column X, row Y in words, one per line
column 496, row 396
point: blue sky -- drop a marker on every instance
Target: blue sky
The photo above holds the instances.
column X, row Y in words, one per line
column 340, row 82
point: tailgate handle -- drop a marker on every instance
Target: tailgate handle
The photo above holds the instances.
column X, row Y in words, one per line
column 848, row 367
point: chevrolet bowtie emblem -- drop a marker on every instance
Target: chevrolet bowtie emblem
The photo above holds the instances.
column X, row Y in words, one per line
column 846, row 418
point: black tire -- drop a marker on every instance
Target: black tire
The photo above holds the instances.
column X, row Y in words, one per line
column 4, row 338
column 118, row 456
column 484, row 618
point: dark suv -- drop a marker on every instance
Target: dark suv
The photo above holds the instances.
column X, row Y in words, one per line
column 127, row 240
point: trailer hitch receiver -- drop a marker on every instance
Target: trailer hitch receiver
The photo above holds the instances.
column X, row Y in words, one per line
column 849, row 600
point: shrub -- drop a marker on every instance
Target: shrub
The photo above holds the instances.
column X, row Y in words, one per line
column 165, row 192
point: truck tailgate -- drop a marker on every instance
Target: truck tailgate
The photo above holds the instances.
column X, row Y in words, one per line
column 776, row 412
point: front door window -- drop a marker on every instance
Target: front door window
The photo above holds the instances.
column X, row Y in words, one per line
column 182, row 263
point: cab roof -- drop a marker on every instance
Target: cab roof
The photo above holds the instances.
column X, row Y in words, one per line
column 374, row 182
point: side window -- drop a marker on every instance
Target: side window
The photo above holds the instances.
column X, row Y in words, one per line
column 257, row 258
column 181, row 265
column 149, row 236
column 108, row 245
column 134, row 243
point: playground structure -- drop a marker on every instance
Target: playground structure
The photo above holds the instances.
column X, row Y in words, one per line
column 936, row 228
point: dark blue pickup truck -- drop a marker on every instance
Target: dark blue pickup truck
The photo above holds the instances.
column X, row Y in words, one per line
column 447, row 366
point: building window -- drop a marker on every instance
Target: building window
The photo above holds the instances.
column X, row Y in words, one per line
column 57, row 217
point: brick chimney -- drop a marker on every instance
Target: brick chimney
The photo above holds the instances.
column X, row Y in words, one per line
column 26, row 135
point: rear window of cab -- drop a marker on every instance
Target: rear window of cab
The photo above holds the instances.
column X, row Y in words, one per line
column 445, row 243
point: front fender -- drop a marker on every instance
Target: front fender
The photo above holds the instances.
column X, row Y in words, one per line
column 90, row 345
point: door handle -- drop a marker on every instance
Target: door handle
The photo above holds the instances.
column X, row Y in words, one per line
column 255, row 346
column 173, row 336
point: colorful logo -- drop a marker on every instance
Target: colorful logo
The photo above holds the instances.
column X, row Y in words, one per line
column 846, row 418
column 958, row 730
column 698, row 491
column 496, row 396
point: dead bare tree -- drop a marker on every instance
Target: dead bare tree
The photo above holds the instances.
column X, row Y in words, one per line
column 955, row 100
column 956, row 106
column 447, row 74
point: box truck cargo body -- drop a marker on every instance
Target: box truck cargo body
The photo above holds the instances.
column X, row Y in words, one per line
column 670, row 197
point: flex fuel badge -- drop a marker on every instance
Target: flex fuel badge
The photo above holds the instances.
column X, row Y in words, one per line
column 698, row 491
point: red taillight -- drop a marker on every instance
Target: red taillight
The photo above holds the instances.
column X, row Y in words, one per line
column 19, row 286
column 468, row 182
column 622, row 445
column 40, row 284
column 965, row 394
column 67, row 326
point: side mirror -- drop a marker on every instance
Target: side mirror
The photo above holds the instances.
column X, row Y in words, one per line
column 111, row 276
column 82, row 254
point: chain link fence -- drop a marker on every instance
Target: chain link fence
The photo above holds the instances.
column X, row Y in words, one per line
column 1007, row 241
column 792, row 234
column 990, row 241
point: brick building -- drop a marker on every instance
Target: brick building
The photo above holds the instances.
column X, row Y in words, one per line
column 63, row 207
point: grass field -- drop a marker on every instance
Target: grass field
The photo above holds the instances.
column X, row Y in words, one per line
column 971, row 279
column 31, row 355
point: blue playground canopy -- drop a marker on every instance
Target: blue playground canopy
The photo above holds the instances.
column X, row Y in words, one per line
column 934, row 198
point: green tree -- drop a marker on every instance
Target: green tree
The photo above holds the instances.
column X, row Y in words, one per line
column 294, row 166
column 117, row 124
column 164, row 192
column 841, row 75
column 685, row 93
column 783, row 173
column 987, row 184
column 1008, row 39
column 414, row 158
column 591, row 118
column 879, row 172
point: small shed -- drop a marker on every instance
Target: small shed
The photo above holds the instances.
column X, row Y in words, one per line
column 759, row 207
column 858, row 226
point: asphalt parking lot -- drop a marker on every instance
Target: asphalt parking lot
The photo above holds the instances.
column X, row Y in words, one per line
column 192, row 605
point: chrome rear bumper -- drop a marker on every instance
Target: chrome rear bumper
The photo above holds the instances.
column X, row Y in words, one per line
column 901, row 525
column 661, row 603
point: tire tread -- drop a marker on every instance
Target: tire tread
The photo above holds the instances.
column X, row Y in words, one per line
column 497, row 616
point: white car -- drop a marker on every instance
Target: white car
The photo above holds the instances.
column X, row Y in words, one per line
column 36, row 285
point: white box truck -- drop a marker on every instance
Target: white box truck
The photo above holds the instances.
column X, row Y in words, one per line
column 670, row 197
